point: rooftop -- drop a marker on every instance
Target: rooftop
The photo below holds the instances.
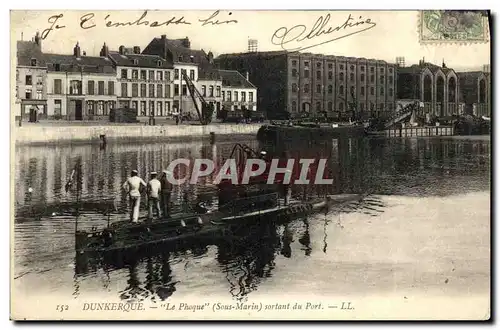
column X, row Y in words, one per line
column 139, row 60
column 71, row 63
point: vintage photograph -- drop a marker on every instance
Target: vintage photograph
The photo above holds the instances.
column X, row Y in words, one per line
column 250, row 165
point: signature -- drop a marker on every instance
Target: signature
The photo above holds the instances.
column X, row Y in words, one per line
column 89, row 21
column 285, row 36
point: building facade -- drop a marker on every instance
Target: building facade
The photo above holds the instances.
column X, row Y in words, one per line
column 340, row 87
column 144, row 82
column 31, row 81
column 475, row 92
column 436, row 87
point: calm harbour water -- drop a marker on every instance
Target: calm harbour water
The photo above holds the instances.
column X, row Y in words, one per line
column 427, row 222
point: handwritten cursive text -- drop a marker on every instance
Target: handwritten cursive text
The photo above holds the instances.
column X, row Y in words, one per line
column 211, row 19
column 299, row 33
column 142, row 21
column 53, row 26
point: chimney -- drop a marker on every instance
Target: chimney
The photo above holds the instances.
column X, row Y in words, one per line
column 248, row 76
column 210, row 57
column 121, row 50
column 76, row 50
column 84, row 53
column 38, row 40
column 163, row 37
column 104, row 51
column 186, row 43
column 137, row 50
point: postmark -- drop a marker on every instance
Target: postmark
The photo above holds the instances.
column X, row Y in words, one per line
column 453, row 26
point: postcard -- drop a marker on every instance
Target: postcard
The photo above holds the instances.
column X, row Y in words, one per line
column 250, row 165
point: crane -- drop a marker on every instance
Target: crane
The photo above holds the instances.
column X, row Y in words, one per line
column 205, row 107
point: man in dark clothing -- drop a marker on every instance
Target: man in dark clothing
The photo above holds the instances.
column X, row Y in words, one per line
column 166, row 192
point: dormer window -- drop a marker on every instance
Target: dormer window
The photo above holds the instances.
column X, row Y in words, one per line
column 57, row 67
column 33, row 62
column 136, row 62
column 158, row 63
column 180, row 58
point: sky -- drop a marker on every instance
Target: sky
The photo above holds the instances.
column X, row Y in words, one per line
column 383, row 35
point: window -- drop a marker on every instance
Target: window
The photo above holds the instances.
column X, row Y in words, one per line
column 151, row 108
column 223, row 95
column 217, row 91
column 143, row 75
column 372, row 91
column 235, row 96
column 29, row 80
column 390, row 79
column 38, row 95
column 57, row 67
column 362, row 91
column 134, row 105
column 306, row 64
column 151, row 75
column 211, row 91
column 362, row 106
column 372, row 69
column 294, row 62
column 341, row 67
column 352, row 90
column 294, row 72
column 318, row 65
column 306, row 88
column 318, row 88
column 250, row 96
column 167, row 91
column 124, row 73
column 330, row 75
column 391, row 91
column 362, row 77
column 362, row 68
column 159, row 90
column 318, row 75
column 124, row 90
column 183, row 72
column 243, row 97
column 33, row 62
column 306, row 73
column 151, row 90
column 382, row 79
column 381, row 106
column 352, row 67
column 143, row 108
column 159, row 75
column 381, row 70
column 136, row 62
column 100, row 108
column 90, row 87
column 381, row 90
column 57, row 86
column 159, row 108
column 294, row 88
column 75, row 87
column 330, row 89
column 28, row 94
column 341, row 89
column 390, row 70
column 167, row 76
column 135, row 90
column 330, row 66
column 372, row 106
column 191, row 75
column 203, row 90
column 176, row 74
column 330, row 106
column 372, row 78
column 90, row 107
column 143, row 90
column 111, row 88
column 57, row 107
column 135, row 74
column 100, row 88
column 167, row 107
column 294, row 106
column 318, row 106
column 341, row 106
column 158, row 63
column 228, row 95
column 184, row 90
column 351, row 76
column 341, row 76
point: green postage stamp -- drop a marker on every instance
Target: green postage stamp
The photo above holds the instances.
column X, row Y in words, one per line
column 456, row 26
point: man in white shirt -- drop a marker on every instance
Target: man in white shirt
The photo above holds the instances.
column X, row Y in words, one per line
column 132, row 186
column 154, row 189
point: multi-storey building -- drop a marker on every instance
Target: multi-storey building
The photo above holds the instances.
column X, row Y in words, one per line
column 437, row 87
column 475, row 92
column 80, row 87
column 238, row 93
column 317, row 84
column 31, row 78
column 145, row 82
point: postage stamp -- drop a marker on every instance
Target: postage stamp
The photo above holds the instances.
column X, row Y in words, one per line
column 462, row 26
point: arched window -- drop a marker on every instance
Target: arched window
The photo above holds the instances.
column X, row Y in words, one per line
column 294, row 88
column 440, row 89
column 306, row 88
column 318, row 106
column 341, row 90
column 482, row 91
column 341, row 76
column 330, row 89
column 294, row 106
column 427, row 88
column 330, row 106
column 341, row 106
column 452, row 85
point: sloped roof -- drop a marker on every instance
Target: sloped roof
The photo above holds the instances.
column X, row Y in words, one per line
column 173, row 50
column 232, row 78
column 70, row 63
column 139, row 60
column 416, row 68
column 27, row 50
